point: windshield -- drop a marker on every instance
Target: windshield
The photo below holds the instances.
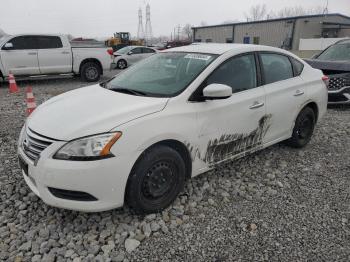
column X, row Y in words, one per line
column 163, row 74
column 124, row 50
column 338, row 52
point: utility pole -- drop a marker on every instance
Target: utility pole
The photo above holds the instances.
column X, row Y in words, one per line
column 178, row 32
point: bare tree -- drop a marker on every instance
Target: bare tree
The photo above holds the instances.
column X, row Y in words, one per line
column 203, row 23
column 256, row 12
column 296, row 11
column 187, row 31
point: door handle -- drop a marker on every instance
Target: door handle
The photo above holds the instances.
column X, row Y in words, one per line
column 299, row 93
column 65, row 53
column 32, row 53
column 257, row 105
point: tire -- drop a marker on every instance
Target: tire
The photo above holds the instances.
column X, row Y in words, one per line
column 156, row 180
column 303, row 128
column 122, row 64
column 90, row 72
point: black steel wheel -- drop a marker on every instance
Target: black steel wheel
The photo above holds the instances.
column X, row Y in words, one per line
column 156, row 180
column 303, row 128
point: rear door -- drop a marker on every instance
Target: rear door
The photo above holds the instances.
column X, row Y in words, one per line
column 54, row 56
column 147, row 52
column 285, row 94
column 22, row 58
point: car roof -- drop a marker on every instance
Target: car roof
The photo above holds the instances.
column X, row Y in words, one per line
column 219, row 49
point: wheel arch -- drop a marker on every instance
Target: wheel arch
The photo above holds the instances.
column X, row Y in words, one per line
column 313, row 105
column 94, row 60
column 176, row 145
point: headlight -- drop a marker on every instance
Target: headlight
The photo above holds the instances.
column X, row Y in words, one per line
column 88, row 148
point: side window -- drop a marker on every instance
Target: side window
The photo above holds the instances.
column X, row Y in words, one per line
column 23, row 43
column 48, row 42
column 276, row 67
column 137, row 50
column 238, row 72
column 298, row 66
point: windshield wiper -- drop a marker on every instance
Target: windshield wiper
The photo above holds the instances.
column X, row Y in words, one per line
column 129, row 91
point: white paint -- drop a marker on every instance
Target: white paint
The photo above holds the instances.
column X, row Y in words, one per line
column 145, row 121
column 317, row 44
column 64, row 60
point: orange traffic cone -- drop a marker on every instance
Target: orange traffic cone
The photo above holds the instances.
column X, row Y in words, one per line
column 31, row 105
column 12, row 84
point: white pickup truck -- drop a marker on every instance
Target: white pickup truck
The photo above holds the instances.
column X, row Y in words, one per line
column 44, row 55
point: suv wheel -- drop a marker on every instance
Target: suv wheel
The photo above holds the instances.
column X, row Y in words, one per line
column 156, row 180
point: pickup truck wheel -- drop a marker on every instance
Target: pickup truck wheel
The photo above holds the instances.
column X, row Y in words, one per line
column 303, row 128
column 156, row 180
column 90, row 72
column 121, row 64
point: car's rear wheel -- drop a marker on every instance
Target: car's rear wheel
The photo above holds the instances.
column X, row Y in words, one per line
column 156, row 180
column 90, row 72
column 121, row 64
column 303, row 128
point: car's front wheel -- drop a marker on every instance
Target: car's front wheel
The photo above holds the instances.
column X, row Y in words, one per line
column 303, row 128
column 156, row 180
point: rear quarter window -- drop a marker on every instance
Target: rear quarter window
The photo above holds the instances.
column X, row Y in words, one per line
column 297, row 66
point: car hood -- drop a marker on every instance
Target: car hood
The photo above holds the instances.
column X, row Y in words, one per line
column 329, row 65
column 90, row 110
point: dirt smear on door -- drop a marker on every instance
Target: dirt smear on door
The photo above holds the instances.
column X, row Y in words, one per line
column 229, row 145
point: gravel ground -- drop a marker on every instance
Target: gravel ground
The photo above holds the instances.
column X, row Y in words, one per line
column 279, row 204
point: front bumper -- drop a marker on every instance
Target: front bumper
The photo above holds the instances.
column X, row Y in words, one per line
column 341, row 96
column 104, row 180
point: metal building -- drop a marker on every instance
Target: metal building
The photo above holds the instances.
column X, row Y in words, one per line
column 282, row 32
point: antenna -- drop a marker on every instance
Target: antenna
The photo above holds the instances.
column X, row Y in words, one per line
column 148, row 35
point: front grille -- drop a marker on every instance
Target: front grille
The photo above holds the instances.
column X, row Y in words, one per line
column 34, row 143
column 71, row 195
column 338, row 81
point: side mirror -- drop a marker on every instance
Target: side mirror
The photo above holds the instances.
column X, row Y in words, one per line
column 130, row 52
column 7, row 46
column 217, row 91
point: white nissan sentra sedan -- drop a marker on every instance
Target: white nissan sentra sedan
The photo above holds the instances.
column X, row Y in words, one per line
column 136, row 138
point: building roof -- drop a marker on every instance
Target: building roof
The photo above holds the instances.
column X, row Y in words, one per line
column 219, row 49
column 274, row 20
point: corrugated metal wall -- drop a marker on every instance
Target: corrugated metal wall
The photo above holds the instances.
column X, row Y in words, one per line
column 275, row 33
column 271, row 33
column 216, row 34
column 312, row 27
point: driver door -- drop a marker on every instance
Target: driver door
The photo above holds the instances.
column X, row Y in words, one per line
column 22, row 58
column 231, row 127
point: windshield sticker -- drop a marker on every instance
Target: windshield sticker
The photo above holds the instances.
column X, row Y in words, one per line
column 198, row 57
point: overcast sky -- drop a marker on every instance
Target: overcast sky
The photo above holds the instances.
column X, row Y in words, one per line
column 92, row 18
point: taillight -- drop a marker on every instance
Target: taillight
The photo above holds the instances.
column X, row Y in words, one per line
column 110, row 51
column 325, row 79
